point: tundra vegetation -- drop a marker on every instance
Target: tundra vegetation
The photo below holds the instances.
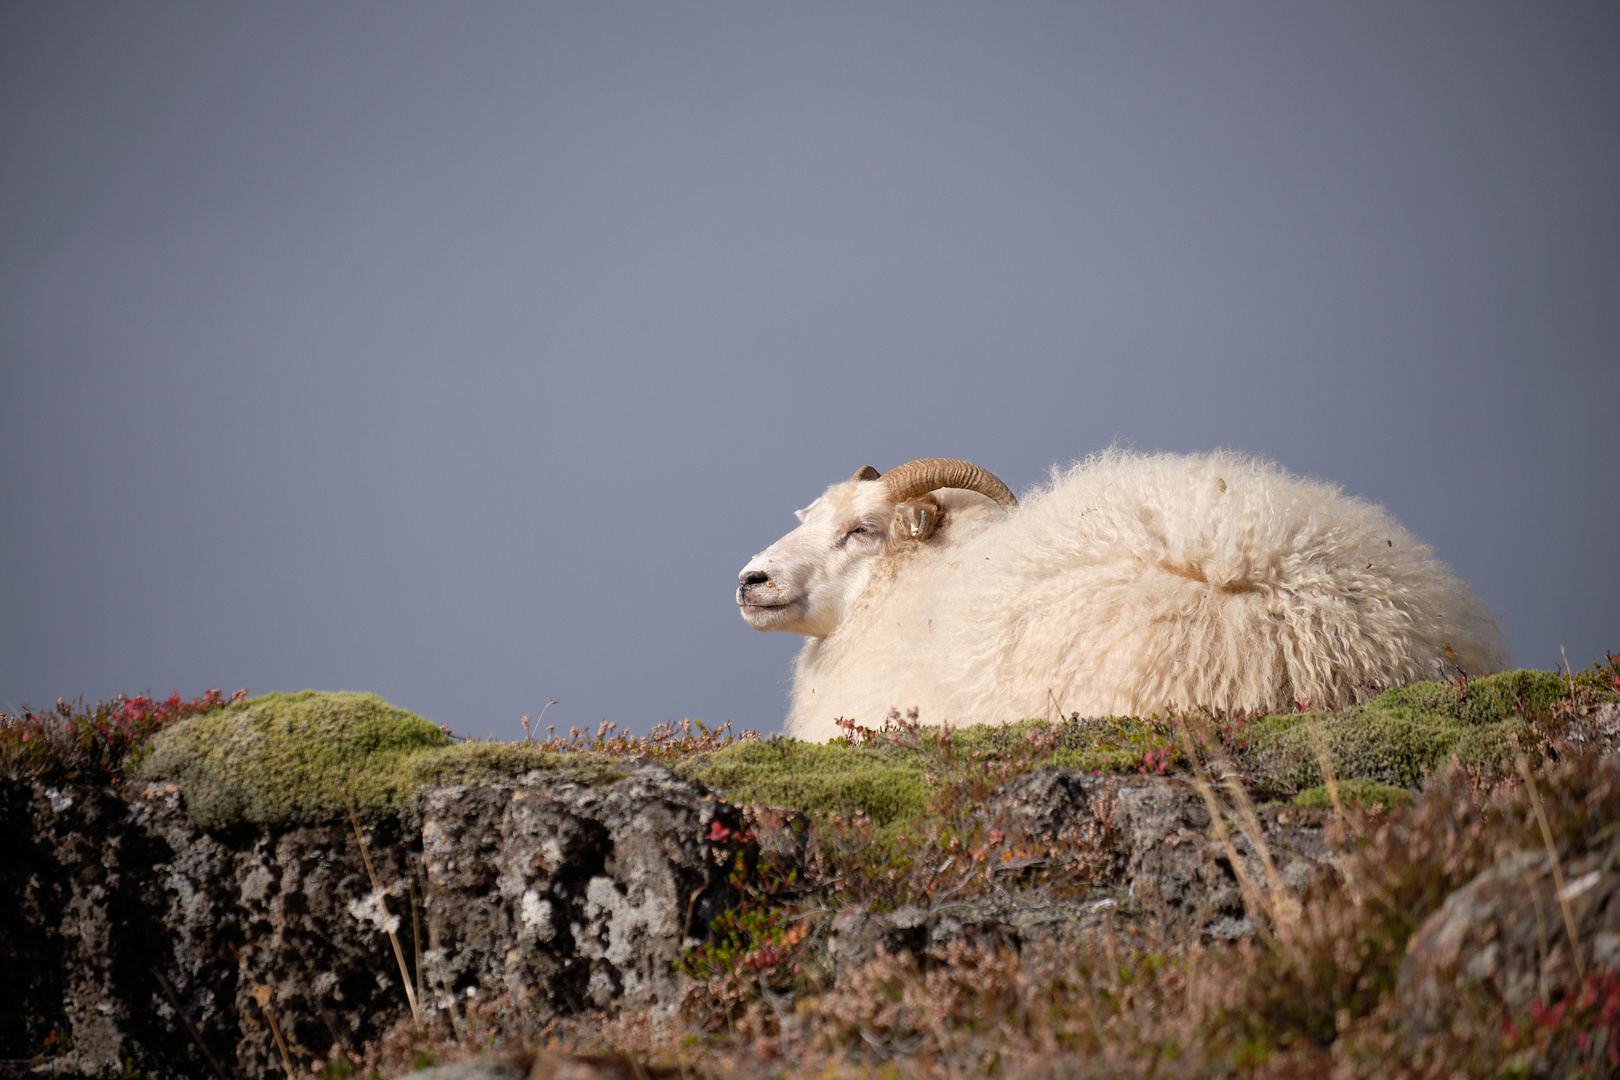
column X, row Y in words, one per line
column 1420, row 789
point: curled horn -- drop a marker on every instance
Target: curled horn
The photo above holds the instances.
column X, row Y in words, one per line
column 927, row 474
column 866, row 472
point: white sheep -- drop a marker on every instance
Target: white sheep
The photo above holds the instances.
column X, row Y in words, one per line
column 1129, row 584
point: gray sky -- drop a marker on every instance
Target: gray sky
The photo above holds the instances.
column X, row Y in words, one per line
column 463, row 353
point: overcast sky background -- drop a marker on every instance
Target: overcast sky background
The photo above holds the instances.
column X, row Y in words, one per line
column 464, row 353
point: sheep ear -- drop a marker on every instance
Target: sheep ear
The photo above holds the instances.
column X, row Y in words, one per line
column 866, row 472
column 916, row 519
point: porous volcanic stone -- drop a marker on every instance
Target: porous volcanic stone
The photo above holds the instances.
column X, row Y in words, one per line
column 570, row 896
column 128, row 923
column 1167, row 857
column 1500, row 942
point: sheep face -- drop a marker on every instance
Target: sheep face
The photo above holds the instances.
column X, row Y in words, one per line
column 805, row 581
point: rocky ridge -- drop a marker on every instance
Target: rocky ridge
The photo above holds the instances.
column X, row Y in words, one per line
column 144, row 939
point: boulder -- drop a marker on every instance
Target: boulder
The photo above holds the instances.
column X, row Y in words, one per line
column 138, row 936
column 1500, row 942
column 570, row 897
column 1168, row 860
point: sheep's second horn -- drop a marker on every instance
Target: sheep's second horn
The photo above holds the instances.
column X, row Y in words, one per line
column 866, row 472
column 928, row 474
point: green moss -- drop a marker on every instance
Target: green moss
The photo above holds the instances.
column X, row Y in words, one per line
column 470, row 763
column 1092, row 744
column 285, row 759
column 889, row 782
column 1401, row 733
column 998, row 741
column 292, row 759
column 885, row 782
column 1359, row 792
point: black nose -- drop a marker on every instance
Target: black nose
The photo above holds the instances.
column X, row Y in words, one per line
column 754, row 577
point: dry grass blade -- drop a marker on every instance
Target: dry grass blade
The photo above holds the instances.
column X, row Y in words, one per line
column 416, row 931
column 196, row 1036
column 393, row 938
column 1324, row 759
column 261, row 994
column 1252, row 898
column 1557, row 870
column 1541, row 937
column 1285, row 907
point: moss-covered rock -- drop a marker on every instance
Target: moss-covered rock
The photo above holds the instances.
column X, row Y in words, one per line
column 296, row 759
column 883, row 781
column 285, row 759
column 1401, row 733
column 471, row 763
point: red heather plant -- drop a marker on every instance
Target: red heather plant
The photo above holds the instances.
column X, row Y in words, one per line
column 1403, row 867
column 99, row 744
column 755, row 948
column 1589, row 1017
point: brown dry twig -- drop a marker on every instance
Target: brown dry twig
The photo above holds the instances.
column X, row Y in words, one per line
column 1557, row 870
column 393, row 938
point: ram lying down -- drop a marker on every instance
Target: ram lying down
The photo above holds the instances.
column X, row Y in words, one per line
column 1128, row 584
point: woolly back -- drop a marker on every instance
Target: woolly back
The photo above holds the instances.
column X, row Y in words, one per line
column 1140, row 581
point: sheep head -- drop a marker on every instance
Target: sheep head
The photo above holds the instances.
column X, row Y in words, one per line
column 805, row 581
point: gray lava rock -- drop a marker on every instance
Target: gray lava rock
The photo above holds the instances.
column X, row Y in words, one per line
column 1050, row 802
column 1167, row 857
column 1180, row 873
column 1600, row 727
column 1500, row 942
column 136, row 936
column 570, row 896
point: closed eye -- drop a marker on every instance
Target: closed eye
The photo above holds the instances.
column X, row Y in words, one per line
column 865, row 528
